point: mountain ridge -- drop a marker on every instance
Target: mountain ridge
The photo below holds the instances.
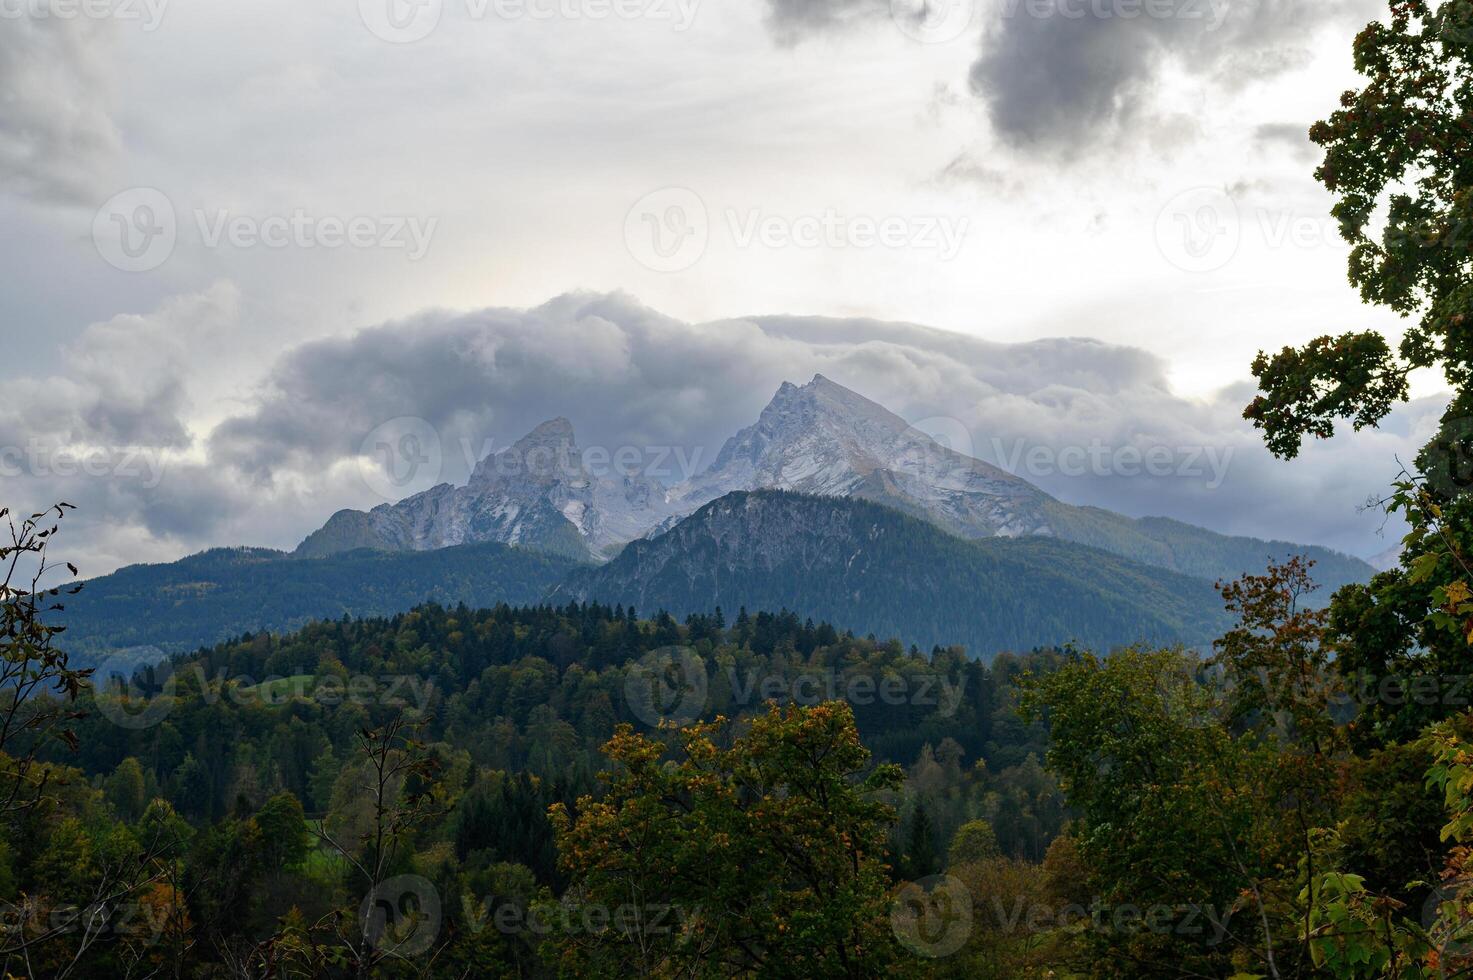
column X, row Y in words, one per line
column 536, row 493
column 214, row 595
column 820, row 438
column 875, row 569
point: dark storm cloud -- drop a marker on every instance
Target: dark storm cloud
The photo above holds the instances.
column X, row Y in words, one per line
column 1059, row 74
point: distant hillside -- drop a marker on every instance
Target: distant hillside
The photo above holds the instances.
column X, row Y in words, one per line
column 1197, row 551
column 876, row 570
column 216, row 595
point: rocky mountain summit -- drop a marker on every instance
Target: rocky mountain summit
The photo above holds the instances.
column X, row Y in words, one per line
column 820, row 439
column 824, row 440
column 537, row 493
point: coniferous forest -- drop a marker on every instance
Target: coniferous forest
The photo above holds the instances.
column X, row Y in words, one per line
column 845, row 701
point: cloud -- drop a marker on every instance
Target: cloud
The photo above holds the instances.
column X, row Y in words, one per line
column 792, row 20
column 628, row 376
column 127, row 378
column 1290, row 137
column 1076, row 416
column 110, row 432
column 56, row 137
column 1058, row 75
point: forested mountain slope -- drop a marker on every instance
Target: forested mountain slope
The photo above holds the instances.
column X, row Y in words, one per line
column 219, row 594
column 879, row 571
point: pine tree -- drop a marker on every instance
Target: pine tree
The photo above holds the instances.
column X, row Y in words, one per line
column 920, row 850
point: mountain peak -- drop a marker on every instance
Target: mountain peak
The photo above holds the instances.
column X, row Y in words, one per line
column 828, row 440
column 787, row 393
column 822, row 391
column 819, row 385
column 552, row 431
column 825, row 398
column 546, row 451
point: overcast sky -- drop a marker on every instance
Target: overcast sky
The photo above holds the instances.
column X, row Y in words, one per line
column 246, row 236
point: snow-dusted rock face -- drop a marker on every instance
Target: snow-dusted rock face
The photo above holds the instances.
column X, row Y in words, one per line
column 538, row 493
column 826, row 440
column 820, row 439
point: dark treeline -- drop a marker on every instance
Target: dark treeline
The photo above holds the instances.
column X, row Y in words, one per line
column 241, row 750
